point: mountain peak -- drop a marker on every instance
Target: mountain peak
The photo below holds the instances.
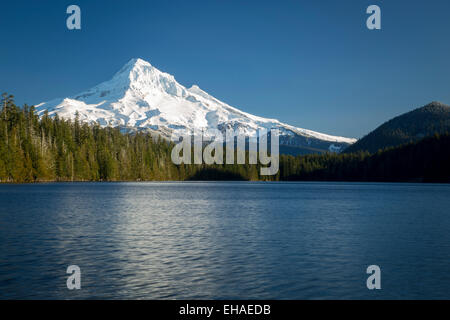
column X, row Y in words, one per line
column 133, row 64
column 138, row 62
column 139, row 75
column 436, row 104
column 141, row 97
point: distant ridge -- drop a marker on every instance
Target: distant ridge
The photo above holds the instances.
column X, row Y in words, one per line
column 408, row 127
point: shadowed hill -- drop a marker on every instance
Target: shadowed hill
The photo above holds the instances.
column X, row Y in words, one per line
column 424, row 161
column 409, row 127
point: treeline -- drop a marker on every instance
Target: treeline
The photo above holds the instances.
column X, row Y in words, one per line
column 425, row 161
column 34, row 149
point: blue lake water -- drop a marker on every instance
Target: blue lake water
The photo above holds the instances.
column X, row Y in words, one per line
column 224, row 240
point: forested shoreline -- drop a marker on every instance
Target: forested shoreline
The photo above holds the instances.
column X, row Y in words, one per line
column 45, row 149
column 34, row 149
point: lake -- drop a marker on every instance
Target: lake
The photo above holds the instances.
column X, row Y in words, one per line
column 224, row 240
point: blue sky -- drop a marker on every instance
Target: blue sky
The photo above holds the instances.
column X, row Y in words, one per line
column 312, row 64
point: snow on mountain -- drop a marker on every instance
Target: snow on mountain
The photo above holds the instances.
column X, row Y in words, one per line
column 139, row 96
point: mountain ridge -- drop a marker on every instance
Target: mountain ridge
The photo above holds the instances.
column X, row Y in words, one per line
column 408, row 127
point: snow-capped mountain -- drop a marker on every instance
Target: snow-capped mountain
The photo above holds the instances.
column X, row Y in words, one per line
column 139, row 96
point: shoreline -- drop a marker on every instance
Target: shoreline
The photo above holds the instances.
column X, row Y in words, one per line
column 241, row 181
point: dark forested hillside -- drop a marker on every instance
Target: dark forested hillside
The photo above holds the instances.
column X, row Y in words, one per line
column 54, row 149
column 409, row 127
column 425, row 161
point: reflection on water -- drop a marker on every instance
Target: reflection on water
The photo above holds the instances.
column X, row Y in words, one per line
column 231, row 240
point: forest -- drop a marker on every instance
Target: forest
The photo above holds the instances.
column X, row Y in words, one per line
column 44, row 149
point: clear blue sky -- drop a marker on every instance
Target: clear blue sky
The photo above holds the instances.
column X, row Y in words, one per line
column 312, row 64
